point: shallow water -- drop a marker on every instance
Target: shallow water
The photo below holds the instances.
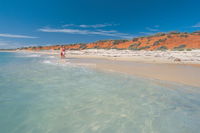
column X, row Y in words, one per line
column 41, row 94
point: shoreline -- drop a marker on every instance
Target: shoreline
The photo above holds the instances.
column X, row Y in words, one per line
column 179, row 72
column 160, row 57
column 8, row 51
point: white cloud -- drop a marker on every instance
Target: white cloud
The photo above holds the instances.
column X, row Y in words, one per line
column 89, row 26
column 89, row 32
column 96, row 25
column 16, row 36
column 147, row 33
column 68, row 25
column 72, row 31
column 153, row 28
column 196, row 25
column 3, row 43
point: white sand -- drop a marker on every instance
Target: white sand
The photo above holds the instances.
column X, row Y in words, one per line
column 151, row 64
column 186, row 57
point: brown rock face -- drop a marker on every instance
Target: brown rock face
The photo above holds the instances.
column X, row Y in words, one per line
column 159, row 41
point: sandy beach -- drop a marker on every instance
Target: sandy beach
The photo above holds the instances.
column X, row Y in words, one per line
column 162, row 65
column 161, row 57
column 180, row 73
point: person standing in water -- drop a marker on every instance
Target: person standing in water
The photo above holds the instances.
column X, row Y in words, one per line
column 62, row 52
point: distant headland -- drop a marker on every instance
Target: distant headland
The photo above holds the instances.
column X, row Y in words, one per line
column 160, row 41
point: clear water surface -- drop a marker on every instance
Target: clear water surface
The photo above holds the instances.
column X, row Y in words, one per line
column 40, row 94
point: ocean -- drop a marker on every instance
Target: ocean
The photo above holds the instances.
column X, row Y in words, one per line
column 43, row 94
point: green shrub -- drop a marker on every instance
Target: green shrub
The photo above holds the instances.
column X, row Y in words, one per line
column 183, row 35
column 160, row 34
column 145, row 47
column 189, row 49
column 169, row 36
column 159, row 41
column 135, row 39
column 119, row 41
column 156, row 43
column 119, row 48
column 74, row 49
column 196, row 31
column 102, row 41
column 97, row 47
column 134, row 46
column 180, row 47
column 83, row 46
column 162, row 48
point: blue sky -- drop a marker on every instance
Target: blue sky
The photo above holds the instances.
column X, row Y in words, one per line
column 47, row 22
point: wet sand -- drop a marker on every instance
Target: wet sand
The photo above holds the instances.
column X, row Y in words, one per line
column 180, row 73
column 183, row 72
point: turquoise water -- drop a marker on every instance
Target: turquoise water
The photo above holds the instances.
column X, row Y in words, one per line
column 39, row 94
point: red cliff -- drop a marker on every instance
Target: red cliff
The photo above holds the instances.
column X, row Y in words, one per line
column 159, row 41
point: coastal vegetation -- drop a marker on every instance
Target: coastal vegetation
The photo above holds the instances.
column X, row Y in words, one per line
column 134, row 46
column 174, row 40
column 162, row 48
column 180, row 47
column 119, row 41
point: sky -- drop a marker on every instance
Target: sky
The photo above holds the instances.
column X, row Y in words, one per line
column 49, row 22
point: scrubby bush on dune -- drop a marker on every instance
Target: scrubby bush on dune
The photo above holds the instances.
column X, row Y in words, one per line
column 143, row 48
column 134, row 46
column 189, row 49
column 196, row 33
column 56, row 49
column 96, row 47
column 159, row 34
column 130, row 48
column 169, row 36
column 156, row 43
column 119, row 41
column 159, row 41
column 34, row 47
column 162, row 48
column 83, row 46
column 174, row 32
column 135, row 39
column 118, row 48
column 102, row 41
column 180, row 47
column 183, row 35
column 74, row 48
column 148, row 41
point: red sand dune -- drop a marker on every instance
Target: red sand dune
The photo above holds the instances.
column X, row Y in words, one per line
column 159, row 41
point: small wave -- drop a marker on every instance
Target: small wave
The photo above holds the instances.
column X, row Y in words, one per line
column 33, row 55
column 51, row 57
column 47, row 61
column 58, row 62
column 86, row 64
column 28, row 55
